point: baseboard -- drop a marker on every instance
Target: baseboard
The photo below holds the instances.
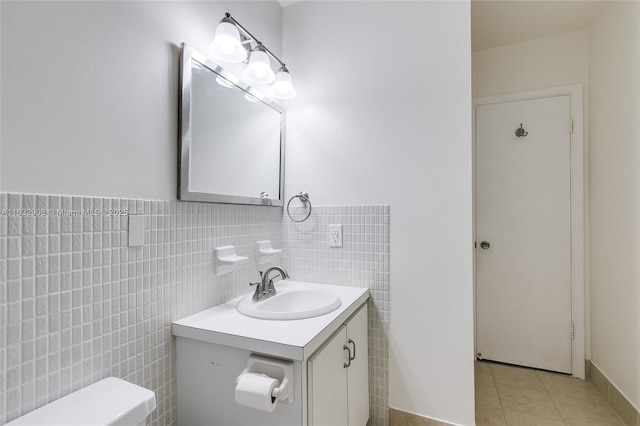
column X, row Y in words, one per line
column 402, row 418
column 627, row 412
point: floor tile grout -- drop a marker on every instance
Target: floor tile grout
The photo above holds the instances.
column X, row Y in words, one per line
column 521, row 378
column 551, row 398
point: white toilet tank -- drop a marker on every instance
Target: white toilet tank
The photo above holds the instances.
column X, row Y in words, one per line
column 109, row 402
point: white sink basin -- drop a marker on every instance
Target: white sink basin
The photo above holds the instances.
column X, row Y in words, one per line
column 291, row 304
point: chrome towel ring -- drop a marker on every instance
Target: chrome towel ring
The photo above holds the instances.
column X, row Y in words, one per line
column 304, row 198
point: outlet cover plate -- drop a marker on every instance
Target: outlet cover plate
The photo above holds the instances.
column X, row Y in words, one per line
column 335, row 235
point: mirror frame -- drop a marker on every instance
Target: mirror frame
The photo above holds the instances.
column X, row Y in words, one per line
column 187, row 56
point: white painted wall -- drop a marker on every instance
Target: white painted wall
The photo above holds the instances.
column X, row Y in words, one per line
column 383, row 117
column 614, row 67
column 0, row 101
column 546, row 62
column 90, row 91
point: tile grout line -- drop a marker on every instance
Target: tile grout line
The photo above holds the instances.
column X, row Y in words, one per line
column 495, row 384
column 550, row 395
column 546, row 392
column 564, row 420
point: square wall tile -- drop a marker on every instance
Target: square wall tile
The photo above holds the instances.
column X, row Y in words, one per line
column 77, row 304
column 362, row 261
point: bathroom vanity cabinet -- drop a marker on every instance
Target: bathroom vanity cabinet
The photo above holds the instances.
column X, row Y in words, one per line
column 339, row 376
column 330, row 383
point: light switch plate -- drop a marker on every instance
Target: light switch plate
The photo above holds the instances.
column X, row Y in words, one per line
column 136, row 230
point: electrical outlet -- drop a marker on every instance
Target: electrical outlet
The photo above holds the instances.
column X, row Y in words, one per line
column 335, row 235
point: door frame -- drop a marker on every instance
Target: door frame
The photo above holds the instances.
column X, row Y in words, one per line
column 578, row 184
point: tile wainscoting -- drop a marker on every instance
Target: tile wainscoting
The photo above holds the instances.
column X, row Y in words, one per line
column 363, row 261
column 77, row 304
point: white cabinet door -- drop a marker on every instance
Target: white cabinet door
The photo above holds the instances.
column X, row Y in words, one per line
column 338, row 376
column 358, row 371
column 328, row 383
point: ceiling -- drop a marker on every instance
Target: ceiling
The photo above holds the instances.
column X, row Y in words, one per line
column 285, row 3
column 500, row 22
column 497, row 23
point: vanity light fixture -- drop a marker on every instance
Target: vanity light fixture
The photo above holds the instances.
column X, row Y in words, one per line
column 230, row 45
column 283, row 88
column 259, row 68
column 226, row 45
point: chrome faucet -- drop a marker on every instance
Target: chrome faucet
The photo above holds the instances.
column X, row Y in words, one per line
column 264, row 287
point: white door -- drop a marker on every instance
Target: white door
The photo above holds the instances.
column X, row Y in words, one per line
column 523, row 233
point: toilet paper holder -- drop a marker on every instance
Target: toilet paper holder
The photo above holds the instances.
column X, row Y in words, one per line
column 275, row 368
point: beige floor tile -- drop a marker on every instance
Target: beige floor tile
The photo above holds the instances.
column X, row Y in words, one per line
column 483, row 371
column 594, row 422
column 520, row 419
column 487, row 394
column 560, row 384
column 585, row 412
column 488, row 415
column 517, row 396
column 517, row 376
column 527, row 401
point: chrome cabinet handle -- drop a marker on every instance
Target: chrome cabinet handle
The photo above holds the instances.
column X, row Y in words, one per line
column 354, row 350
column 347, row 364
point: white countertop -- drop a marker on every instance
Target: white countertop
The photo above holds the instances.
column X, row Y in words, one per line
column 291, row 339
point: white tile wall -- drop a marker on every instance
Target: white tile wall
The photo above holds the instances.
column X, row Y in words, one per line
column 363, row 261
column 77, row 304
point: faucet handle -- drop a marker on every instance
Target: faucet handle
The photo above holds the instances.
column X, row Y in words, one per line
column 259, row 291
column 270, row 288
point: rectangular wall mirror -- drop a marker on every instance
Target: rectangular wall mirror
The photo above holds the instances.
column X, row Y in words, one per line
column 231, row 137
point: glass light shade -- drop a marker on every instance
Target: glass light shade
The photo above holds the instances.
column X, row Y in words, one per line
column 251, row 98
column 224, row 82
column 226, row 45
column 259, row 68
column 282, row 88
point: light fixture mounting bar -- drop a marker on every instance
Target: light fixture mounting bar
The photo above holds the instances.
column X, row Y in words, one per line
column 252, row 37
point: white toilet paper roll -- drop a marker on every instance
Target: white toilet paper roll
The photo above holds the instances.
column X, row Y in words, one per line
column 254, row 390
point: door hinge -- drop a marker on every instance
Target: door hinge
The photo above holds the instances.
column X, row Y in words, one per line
column 573, row 331
column 571, row 125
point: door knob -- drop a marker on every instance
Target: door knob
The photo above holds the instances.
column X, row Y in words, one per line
column 485, row 245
